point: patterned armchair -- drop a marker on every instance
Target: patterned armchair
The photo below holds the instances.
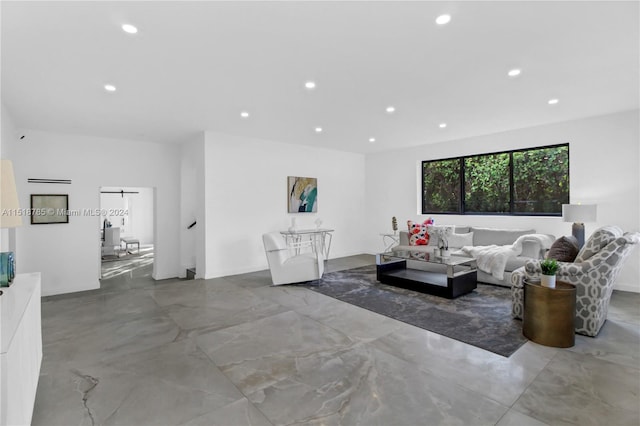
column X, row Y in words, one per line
column 593, row 272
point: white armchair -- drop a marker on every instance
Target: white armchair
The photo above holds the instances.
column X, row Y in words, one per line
column 288, row 267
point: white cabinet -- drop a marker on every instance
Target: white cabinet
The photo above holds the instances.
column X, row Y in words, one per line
column 20, row 349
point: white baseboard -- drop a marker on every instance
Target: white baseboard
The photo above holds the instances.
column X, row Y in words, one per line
column 626, row 287
column 237, row 271
column 64, row 290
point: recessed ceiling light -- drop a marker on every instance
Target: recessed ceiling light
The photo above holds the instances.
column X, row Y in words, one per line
column 443, row 19
column 244, row 114
column 514, row 72
column 553, row 101
column 310, row 85
column 128, row 28
column 442, row 125
column 109, row 87
column 372, row 140
column 391, row 109
column 318, row 129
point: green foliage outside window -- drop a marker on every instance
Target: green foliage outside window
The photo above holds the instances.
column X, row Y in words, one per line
column 541, row 180
column 532, row 181
column 441, row 189
column 486, row 183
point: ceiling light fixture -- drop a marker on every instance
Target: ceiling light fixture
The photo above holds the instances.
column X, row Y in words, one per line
column 244, row 114
column 442, row 125
column 109, row 87
column 372, row 140
column 391, row 109
column 310, row 85
column 318, row 129
column 514, row 72
column 443, row 19
column 553, row 101
column 128, row 28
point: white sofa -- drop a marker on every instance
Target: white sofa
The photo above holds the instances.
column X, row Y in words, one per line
column 473, row 236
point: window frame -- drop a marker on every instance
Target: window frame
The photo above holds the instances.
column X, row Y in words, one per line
column 461, row 204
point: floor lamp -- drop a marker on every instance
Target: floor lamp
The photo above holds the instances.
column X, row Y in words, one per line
column 578, row 214
column 9, row 218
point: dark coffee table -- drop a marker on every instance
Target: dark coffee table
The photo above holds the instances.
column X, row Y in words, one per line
column 447, row 277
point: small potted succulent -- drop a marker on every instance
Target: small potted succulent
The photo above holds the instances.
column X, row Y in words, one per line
column 549, row 268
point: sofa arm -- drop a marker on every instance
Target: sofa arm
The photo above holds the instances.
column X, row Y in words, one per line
column 535, row 246
column 532, row 249
column 404, row 238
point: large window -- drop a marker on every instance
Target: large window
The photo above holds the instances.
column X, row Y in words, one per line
column 525, row 182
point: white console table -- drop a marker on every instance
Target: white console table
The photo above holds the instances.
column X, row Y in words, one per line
column 390, row 241
column 320, row 237
column 21, row 349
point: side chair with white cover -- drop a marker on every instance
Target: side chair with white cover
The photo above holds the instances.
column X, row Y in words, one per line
column 288, row 265
column 111, row 244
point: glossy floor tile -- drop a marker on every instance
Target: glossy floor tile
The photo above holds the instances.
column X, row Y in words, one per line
column 238, row 351
column 580, row 389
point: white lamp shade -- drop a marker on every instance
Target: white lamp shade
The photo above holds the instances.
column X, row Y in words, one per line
column 579, row 212
column 9, row 214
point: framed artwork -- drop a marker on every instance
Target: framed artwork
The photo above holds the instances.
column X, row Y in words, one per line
column 49, row 208
column 302, row 194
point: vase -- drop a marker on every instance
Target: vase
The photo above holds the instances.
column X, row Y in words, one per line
column 445, row 252
column 548, row 281
column 7, row 269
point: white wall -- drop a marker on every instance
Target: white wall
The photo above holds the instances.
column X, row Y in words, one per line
column 236, row 189
column 7, row 134
column 246, row 196
column 141, row 215
column 192, row 198
column 603, row 170
column 68, row 255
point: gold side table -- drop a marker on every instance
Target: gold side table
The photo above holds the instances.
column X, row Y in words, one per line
column 550, row 314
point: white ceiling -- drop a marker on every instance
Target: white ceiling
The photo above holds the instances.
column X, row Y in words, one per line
column 195, row 66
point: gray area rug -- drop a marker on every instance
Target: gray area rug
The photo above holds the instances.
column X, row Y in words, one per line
column 481, row 318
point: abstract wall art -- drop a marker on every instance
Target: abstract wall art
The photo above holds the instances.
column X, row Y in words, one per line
column 302, row 194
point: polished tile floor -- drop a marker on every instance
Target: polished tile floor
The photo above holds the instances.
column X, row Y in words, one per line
column 112, row 266
column 235, row 351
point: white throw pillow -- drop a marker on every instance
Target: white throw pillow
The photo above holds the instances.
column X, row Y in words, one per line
column 460, row 240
